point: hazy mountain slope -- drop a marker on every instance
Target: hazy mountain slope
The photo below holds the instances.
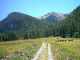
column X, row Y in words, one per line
column 53, row 17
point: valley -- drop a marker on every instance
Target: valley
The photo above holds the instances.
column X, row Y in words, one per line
column 52, row 36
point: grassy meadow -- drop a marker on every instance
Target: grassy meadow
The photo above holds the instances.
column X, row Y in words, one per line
column 62, row 48
column 20, row 49
column 65, row 48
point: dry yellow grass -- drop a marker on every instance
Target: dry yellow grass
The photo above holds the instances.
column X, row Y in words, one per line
column 28, row 47
column 65, row 50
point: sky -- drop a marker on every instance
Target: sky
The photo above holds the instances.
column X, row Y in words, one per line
column 36, row 8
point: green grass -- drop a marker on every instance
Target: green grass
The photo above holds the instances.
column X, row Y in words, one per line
column 19, row 50
column 69, row 50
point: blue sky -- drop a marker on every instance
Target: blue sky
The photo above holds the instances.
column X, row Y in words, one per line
column 36, row 7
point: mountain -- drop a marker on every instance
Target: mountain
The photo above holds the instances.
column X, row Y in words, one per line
column 51, row 24
column 52, row 17
column 16, row 20
column 21, row 24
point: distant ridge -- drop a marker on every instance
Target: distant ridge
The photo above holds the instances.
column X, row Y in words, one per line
column 53, row 16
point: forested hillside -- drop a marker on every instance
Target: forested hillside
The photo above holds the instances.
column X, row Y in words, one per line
column 70, row 26
column 22, row 26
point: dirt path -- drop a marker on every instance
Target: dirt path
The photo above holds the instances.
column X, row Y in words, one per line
column 44, row 53
column 50, row 56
